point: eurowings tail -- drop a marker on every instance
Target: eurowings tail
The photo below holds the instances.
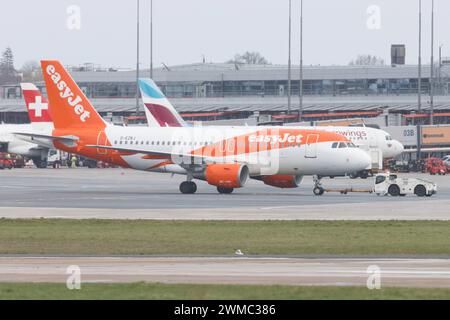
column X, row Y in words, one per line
column 158, row 110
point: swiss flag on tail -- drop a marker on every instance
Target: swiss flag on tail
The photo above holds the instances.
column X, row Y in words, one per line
column 37, row 105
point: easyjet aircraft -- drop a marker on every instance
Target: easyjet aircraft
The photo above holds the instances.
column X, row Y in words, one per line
column 223, row 157
column 160, row 112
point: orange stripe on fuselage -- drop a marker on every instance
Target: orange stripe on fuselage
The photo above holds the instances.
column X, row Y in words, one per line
column 264, row 140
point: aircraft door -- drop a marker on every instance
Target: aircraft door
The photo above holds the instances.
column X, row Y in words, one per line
column 311, row 145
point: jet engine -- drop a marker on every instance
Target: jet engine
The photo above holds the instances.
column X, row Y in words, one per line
column 233, row 175
column 282, row 181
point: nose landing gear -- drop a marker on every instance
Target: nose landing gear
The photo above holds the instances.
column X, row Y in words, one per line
column 318, row 190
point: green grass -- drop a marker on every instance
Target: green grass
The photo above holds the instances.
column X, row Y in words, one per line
column 124, row 237
column 189, row 291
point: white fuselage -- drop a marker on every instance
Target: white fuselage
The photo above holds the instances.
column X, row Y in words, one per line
column 294, row 159
column 369, row 138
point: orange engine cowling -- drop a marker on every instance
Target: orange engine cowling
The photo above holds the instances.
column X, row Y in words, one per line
column 227, row 175
column 282, row 181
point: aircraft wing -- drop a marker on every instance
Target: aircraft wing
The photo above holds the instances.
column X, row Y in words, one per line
column 149, row 152
column 70, row 141
column 176, row 157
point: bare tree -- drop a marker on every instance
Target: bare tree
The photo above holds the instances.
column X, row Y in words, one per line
column 31, row 71
column 8, row 74
column 367, row 60
column 249, row 58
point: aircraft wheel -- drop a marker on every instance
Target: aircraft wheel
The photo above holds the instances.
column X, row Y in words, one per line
column 318, row 191
column 225, row 190
column 188, row 187
column 394, row 190
column 420, row 190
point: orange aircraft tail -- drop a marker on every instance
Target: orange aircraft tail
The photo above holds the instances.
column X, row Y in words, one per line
column 69, row 106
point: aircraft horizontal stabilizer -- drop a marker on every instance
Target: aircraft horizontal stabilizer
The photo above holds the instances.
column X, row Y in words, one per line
column 70, row 141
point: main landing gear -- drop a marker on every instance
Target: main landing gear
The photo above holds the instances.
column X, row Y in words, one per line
column 188, row 187
column 318, row 190
column 225, row 190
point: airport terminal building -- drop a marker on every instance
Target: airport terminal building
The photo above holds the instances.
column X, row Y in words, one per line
column 208, row 91
column 384, row 95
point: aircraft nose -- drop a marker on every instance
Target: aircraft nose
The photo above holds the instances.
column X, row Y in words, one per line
column 399, row 147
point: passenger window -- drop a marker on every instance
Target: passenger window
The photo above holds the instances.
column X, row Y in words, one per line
column 380, row 179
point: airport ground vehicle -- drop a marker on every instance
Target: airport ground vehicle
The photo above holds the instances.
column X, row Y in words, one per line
column 400, row 166
column 434, row 166
column 446, row 160
column 5, row 161
column 391, row 184
column 224, row 157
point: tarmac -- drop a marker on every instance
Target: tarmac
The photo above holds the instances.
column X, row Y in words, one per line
column 240, row 270
column 128, row 194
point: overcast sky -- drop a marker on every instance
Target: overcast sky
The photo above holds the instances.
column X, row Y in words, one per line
column 184, row 30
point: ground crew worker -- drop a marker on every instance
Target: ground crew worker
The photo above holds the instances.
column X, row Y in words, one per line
column 74, row 161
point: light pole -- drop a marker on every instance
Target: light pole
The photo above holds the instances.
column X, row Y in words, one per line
column 419, row 80
column 300, row 93
column 289, row 61
column 440, row 71
column 419, row 84
column 137, row 58
column 432, row 65
column 151, row 39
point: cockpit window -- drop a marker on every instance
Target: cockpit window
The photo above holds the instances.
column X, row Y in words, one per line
column 335, row 145
column 380, row 179
column 351, row 145
column 388, row 138
column 342, row 145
